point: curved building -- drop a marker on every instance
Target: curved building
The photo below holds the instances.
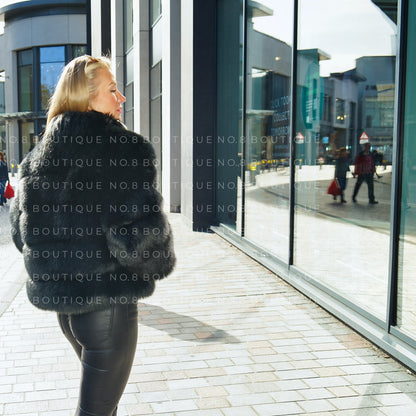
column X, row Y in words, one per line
column 38, row 38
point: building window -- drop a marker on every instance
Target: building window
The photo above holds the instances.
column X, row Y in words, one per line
column 327, row 112
column 2, row 92
column 340, row 111
column 155, row 10
column 156, row 114
column 38, row 73
column 27, row 136
column 39, row 69
column 128, row 64
column 25, row 79
column 361, row 72
column 75, row 51
column 406, row 315
column 128, row 24
column 51, row 63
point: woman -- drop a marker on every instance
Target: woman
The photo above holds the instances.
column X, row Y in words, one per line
column 4, row 178
column 90, row 225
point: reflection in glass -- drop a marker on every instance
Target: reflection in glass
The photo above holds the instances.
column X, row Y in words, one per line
column 155, row 10
column 128, row 24
column 52, row 61
column 25, row 79
column 27, row 137
column 406, row 305
column 345, row 97
column 269, row 54
column 229, row 114
column 77, row 50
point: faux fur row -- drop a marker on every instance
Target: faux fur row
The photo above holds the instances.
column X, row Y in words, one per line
column 87, row 216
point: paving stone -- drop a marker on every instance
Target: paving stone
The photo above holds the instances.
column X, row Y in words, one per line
column 247, row 345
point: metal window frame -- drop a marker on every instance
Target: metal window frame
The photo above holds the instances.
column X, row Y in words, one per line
column 382, row 332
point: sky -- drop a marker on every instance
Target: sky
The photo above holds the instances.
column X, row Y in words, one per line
column 344, row 29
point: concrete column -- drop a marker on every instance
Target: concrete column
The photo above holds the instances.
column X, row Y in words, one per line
column 141, row 42
column 117, row 40
column 187, row 103
column 171, row 98
column 96, row 27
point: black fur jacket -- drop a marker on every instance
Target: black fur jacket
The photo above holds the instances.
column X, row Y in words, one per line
column 88, row 218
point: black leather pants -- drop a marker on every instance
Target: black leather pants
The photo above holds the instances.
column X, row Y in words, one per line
column 105, row 342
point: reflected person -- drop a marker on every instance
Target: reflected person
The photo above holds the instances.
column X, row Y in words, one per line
column 4, row 178
column 342, row 166
column 364, row 169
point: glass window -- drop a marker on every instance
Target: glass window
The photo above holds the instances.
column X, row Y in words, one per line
column 346, row 59
column 156, row 116
column 52, row 61
column 406, row 304
column 3, row 142
column 27, row 137
column 128, row 24
column 155, row 10
column 129, row 106
column 25, row 79
column 77, row 50
column 229, row 111
column 2, row 92
column 156, row 34
column 268, row 100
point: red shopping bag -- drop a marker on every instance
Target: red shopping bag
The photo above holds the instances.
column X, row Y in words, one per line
column 9, row 191
column 334, row 188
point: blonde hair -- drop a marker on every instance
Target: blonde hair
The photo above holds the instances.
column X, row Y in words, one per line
column 76, row 85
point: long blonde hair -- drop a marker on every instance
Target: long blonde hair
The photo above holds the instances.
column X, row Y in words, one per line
column 76, row 85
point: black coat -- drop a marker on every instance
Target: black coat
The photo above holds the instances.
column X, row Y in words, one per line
column 88, row 218
column 4, row 171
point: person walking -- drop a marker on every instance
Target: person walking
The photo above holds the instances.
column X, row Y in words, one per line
column 342, row 166
column 4, row 178
column 364, row 168
column 89, row 222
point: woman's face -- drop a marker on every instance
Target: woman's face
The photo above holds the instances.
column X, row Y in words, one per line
column 107, row 99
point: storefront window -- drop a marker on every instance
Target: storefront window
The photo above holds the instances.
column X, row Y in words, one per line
column 406, row 305
column 25, row 79
column 27, row 137
column 268, row 100
column 52, row 61
column 229, row 112
column 346, row 60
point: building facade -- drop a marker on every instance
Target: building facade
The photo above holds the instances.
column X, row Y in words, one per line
column 248, row 104
column 38, row 38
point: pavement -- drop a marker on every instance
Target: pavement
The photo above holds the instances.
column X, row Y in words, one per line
column 221, row 336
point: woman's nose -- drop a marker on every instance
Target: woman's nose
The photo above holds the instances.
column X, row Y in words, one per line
column 121, row 97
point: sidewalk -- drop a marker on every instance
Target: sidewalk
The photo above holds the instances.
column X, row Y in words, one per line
column 222, row 336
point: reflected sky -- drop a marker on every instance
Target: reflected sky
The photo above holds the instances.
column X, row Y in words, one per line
column 361, row 19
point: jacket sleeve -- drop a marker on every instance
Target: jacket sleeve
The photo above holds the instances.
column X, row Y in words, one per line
column 139, row 235
column 143, row 245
